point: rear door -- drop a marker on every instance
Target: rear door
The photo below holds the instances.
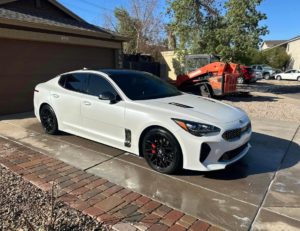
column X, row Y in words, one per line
column 67, row 98
column 101, row 119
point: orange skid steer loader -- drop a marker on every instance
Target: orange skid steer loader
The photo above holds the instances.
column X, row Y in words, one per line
column 213, row 79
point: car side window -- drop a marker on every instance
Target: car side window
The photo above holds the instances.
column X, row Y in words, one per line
column 75, row 82
column 97, row 85
column 259, row 68
column 288, row 72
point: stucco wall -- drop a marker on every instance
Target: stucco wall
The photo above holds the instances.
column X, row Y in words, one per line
column 264, row 46
column 293, row 49
column 167, row 59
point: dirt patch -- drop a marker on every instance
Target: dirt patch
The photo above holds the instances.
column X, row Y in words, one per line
column 25, row 207
column 267, row 100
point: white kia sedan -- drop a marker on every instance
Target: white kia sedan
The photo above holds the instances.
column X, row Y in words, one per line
column 289, row 75
column 141, row 114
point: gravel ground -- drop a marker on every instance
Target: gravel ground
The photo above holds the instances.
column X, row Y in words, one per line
column 25, row 207
column 267, row 100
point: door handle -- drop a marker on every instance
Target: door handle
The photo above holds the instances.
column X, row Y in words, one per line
column 87, row 103
column 55, row 95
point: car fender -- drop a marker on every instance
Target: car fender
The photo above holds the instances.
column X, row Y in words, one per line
column 169, row 126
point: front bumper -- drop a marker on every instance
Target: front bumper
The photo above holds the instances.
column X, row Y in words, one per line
column 215, row 159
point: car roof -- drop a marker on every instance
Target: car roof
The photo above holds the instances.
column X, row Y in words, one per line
column 109, row 72
column 119, row 72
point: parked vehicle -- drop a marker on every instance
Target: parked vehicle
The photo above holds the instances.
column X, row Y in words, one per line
column 247, row 75
column 213, row 79
column 289, row 75
column 266, row 71
column 277, row 71
column 258, row 75
column 140, row 113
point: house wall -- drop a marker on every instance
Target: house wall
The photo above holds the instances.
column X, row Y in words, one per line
column 264, row 46
column 167, row 60
column 293, row 49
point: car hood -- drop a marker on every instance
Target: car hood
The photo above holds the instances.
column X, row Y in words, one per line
column 196, row 107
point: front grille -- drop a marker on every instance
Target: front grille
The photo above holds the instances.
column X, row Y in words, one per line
column 233, row 153
column 236, row 133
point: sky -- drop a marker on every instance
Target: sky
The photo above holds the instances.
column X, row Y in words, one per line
column 283, row 15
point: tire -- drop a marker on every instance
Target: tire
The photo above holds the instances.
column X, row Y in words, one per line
column 240, row 80
column 278, row 77
column 162, row 151
column 298, row 78
column 267, row 76
column 205, row 91
column 49, row 120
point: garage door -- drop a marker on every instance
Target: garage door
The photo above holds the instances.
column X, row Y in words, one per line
column 23, row 64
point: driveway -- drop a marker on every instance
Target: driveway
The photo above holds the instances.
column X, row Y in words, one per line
column 262, row 191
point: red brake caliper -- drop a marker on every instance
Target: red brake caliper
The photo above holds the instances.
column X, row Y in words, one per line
column 153, row 151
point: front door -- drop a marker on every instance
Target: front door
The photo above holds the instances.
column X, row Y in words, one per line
column 103, row 120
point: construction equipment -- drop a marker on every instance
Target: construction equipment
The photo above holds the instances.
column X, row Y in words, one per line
column 213, row 79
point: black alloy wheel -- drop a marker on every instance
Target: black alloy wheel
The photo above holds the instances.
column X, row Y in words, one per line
column 162, row 151
column 48, row 120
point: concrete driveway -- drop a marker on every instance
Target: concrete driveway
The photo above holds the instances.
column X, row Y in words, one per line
column 262, row 191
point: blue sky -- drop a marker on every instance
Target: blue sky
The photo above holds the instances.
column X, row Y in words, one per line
column 283, row 16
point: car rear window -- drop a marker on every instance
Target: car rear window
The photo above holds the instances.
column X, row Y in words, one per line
column 74, row 82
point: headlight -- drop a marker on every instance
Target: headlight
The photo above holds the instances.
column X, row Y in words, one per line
column 197, row 129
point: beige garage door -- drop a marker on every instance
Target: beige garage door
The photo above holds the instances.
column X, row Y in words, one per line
column 23, row 64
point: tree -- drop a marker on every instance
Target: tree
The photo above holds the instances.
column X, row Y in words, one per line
column 192, row 21
column 241, row 32
column 202, row 27
column 126, row 26
column 277, row 57
column 142, row 24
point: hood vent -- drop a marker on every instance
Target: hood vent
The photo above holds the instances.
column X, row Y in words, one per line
column 180, row 105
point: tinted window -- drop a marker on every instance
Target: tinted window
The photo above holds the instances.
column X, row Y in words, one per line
column 97, row 85
column 76, row 82
column 62, row 80
column 141, row 85
column 259, row 68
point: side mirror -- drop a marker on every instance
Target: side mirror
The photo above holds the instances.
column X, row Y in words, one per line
column 108, row 96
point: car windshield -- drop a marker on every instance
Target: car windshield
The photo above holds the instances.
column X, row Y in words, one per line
column 141, row 85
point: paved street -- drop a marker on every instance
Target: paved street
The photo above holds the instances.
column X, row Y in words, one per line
column 259, row 192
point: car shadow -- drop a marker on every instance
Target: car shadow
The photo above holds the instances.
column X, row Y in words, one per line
column 271, row 88
column 268, row 154
column 250, row 98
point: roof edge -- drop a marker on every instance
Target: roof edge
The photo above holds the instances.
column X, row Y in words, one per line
column 95, row 34
column 280, row 44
